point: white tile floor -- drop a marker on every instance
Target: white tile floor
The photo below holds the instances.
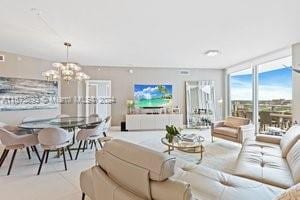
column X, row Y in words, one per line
column 54, row 183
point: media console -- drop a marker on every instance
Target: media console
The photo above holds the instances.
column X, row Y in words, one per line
column 153, row 121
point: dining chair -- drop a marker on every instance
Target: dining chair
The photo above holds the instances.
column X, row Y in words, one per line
column 15, row 142
column 94, row 115
column 18, row 131
column 54, row 139
column 92, row 135
column 62, row 115
column 12, row 128
column 107, row 121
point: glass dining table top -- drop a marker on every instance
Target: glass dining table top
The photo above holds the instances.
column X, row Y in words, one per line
column 64, row 122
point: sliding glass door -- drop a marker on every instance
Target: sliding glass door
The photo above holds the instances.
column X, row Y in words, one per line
column 263, row 93
column 275, row 94
column 241, row 101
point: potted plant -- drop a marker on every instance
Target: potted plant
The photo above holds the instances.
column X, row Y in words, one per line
column 172, row 131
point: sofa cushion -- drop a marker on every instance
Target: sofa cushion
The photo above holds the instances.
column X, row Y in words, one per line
column 236, row 122
column 293, row 159
column 293, row 193
column 227, row 131
column 257, row 147
column 210, row 184
column 263, row 162
column 160, row 166
column 289, row 139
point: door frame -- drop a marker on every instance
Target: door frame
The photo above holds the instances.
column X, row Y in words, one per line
column 87, row 83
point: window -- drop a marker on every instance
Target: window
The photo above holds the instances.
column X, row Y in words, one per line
column 241, row 104
column 275, row 94
column 266, row 91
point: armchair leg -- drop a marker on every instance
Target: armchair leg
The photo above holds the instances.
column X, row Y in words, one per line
column 12, row 161
column 83, row 196
column 3, row 156
column 28, row 152
column 41, row 163
column 64, row 156
column 80, row 143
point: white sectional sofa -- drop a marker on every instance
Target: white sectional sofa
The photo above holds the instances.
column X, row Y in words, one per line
column 127, row 171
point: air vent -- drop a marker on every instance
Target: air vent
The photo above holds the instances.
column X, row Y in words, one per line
column 184, row 72
column 2, row 58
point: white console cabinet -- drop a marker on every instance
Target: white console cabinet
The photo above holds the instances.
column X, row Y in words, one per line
column 153, row 121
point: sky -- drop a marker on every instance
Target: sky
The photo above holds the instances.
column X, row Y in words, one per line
column 275, row 84
column 149, row 91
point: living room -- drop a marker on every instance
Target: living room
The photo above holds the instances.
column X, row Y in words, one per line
column 112, row 100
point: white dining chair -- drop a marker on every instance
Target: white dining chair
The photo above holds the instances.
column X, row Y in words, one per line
column 15, row 142
column 54, row 139
column 91, row 135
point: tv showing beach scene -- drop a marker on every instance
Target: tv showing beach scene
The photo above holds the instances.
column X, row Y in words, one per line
column 152, row 96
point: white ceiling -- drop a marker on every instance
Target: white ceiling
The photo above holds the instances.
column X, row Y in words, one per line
column 149, row 33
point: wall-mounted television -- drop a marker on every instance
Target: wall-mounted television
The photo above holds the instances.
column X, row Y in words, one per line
column 152, row 96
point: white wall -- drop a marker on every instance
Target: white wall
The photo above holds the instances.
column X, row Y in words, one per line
column 18, row 66
column 296, row 82
column 123, row 83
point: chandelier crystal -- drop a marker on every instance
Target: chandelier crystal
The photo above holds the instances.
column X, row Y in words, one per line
column 66, row 71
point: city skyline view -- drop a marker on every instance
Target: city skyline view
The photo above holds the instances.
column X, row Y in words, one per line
column 272, row 84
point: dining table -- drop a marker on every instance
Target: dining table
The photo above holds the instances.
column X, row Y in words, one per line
column 67, row 123
column 63, row 122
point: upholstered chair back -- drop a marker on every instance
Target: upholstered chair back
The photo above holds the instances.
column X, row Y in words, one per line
column 141, row 171
column 84, row 134
column 94, row 115
column 62, row 116
column 236, row 122
column 54, row 137
column 10, row 139
column 7, row 138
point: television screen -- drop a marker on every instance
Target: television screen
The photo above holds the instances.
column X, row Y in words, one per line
column 152, row 96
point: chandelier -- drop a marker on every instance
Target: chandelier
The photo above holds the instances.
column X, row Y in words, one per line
column 66, row 71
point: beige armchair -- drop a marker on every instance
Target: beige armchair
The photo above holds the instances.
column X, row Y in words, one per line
column 128, row 171
column 235, row 129
column 16, row 142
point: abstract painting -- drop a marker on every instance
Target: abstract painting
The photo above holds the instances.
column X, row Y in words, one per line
column 27, row 94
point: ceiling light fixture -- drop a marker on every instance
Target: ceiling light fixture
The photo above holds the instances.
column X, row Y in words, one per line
column 66, row 71
column 212, row 53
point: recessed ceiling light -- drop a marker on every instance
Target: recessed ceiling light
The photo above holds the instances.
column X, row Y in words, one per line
column 212, row 53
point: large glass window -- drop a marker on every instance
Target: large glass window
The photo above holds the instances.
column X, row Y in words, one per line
column 266, row 90
column 241, row 94
column 275, row 94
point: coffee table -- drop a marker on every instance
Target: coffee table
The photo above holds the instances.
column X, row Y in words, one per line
column 186, row 146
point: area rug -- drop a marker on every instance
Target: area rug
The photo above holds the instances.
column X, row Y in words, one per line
column 220, row 154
